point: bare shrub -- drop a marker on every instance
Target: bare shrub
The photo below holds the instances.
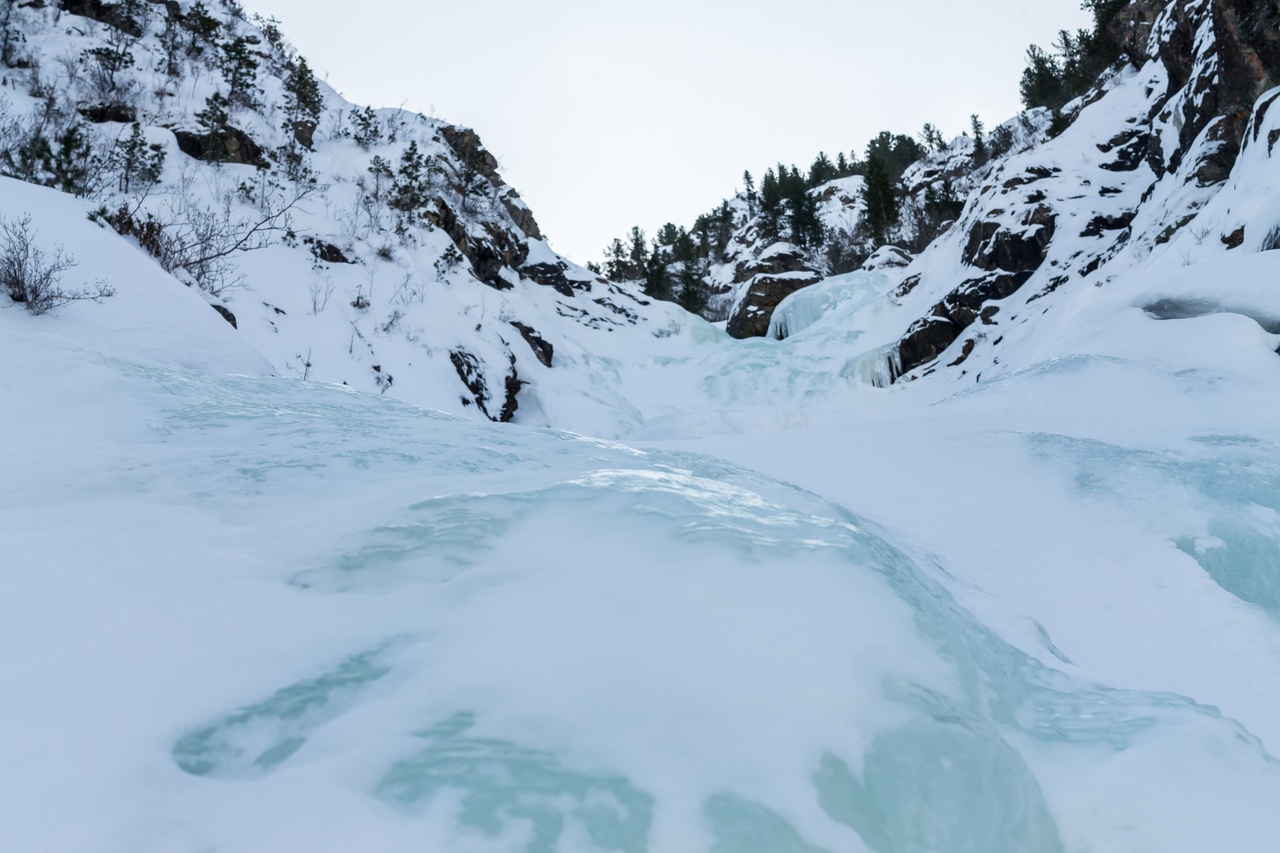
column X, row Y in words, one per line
column 34, row 279
column 1272, row 241
column 321, row 292
column 200, row 242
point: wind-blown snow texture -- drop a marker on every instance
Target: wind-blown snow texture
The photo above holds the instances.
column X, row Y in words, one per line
column 766, row 599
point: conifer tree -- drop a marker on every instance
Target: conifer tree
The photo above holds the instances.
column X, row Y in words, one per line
column 213, row 118
column 240, row 68
column 822, row 170
column 656, row 281
column 880, row 201
column 1052, row 80
column 72, row 161
column 204, row 28
column 932, row 139
column 615, row 261
column 366, row 130
column 693, row 292
column 137, row 164
column 979, row 140
column 411, row 190
column 303, row 101
column 770, row 205
column 637, row 254
column 806, row 226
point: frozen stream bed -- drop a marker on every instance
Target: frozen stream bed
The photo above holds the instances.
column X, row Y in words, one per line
column 247, row 614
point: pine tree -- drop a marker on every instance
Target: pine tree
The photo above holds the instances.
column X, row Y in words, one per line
column 749, row 188
column 770, row 206
column 137, row 164
column 932, row 139
column 107, row 61
column 383, row 177
column 213, row 118
column 896, row 152
column 472, row 165
column 723, row 228
column 822, row 170
column 637, row 254
column 979, row 140
column 656, row 281
column 1051, row 80
column 616, row 267
column 303, row 101
column 411, row 189
column 204, row 28
column 240, row 68
column 806, row 226
column 29, row 159
column 366, row 130
column 693, row 292
column 880, row 201
column 72, row 161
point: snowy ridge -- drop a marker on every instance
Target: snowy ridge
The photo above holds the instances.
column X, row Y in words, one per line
column 1147, row 176
column 451, row 300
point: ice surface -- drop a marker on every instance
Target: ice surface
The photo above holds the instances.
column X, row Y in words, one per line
column 1232, row 479
column 356, row 620
column 845, row 294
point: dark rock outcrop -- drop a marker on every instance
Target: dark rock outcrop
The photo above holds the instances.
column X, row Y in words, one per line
column 111, row 14
column 101, row 113
column 326, row 252
column 751, row 318
column 553, row 276
column 226, row 315
column 305, row 133
column 520, row 215
column 489, row 252
column 928, row 337
column 993, row 246
column 542, row 348
column 1104, row 222
column 472, row 375
column 1008, row 256
column 1240, row 63
column 774, row 261
column 229, row 145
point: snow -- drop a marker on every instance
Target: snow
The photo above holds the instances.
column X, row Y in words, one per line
column 262, row 614
column 152, row 316
column 258, row 597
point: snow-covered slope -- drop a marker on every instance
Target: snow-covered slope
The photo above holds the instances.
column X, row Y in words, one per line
column 376, row 248
column 152, row 317
column 1169, row 163
column 256, row 614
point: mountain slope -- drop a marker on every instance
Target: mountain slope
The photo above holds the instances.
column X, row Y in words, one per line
column 1163, row 166
column 376, row 248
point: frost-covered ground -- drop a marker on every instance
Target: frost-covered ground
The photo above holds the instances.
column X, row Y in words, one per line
column 793, row 612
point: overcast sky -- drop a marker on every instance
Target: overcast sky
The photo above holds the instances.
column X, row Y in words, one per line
column 610, row 114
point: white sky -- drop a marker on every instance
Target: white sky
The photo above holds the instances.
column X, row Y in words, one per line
column 606, row 114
